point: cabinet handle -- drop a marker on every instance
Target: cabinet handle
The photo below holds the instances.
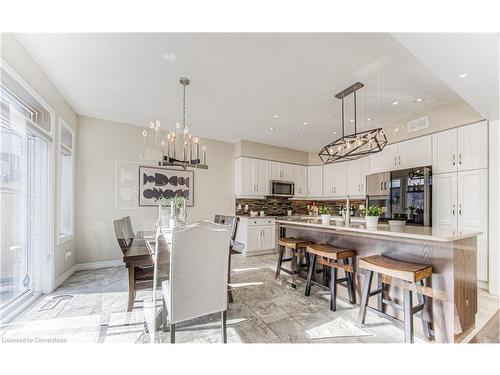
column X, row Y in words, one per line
column 453, row 210
column 460, row 158
column 395, row 160
column 399, row 159
column 460, row 209
column 381, row 186
column 385, row 185
column 454, row 160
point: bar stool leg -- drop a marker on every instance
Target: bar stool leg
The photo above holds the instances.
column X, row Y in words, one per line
column 280, row 261
column 408, row 315
column 294, row 268
column 426, row 325
column 350, row 283
column 364, row 297
column 380, row 296
column 333, row 288
column 312, row 264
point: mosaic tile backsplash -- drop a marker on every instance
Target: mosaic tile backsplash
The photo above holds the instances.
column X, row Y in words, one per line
column 279, row 206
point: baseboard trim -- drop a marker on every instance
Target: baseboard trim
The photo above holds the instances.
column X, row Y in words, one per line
column 65, row 276
column 97, row 265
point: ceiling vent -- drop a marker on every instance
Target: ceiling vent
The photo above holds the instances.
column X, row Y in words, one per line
column 418, row 124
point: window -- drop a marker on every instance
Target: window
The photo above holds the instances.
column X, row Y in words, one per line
column 66, row 181
column 25, row 184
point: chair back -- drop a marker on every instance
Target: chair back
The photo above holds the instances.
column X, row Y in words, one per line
column 129, row 231
column 122, row 236
column 228, row 220
column 198, row 270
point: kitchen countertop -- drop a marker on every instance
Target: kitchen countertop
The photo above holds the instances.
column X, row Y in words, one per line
column 409, row 232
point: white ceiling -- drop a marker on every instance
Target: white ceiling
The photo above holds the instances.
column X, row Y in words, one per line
column 450, row 55
column 238, row 81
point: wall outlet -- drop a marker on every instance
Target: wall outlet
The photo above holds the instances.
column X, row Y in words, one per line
column 68, row 254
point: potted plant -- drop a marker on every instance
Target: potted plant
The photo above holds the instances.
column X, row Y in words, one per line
column 326, row 214
column 372, row 214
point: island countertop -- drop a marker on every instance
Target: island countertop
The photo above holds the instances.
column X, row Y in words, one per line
column 408, row 231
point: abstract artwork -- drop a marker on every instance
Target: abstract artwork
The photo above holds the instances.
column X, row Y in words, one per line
column 156, row 183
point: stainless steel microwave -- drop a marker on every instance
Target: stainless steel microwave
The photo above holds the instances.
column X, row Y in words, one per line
column 282, row 188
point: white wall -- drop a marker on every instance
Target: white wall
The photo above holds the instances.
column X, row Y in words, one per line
column 269, row 152
column 100, row 144
column 18, row 58
column 494, row 208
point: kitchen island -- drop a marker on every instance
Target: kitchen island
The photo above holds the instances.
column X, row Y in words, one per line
column 452, row 291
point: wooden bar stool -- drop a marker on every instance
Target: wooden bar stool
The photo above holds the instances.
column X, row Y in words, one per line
column 298, row 250
column 403, row 274
column 329, row 257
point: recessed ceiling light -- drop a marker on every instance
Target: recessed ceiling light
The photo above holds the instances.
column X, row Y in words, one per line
column 334, row 133
column 296, row 134
column 463, row 75
column 271, row 129
column 395, row 102
column 419, row 100
column 168, row 56
column 368, row 119
column 351, row 120
column 306, row 123
column 396, row 130
column 275, row 116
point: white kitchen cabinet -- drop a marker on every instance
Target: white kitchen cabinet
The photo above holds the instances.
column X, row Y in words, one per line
column 315, row 181
column 472, row 146
column 301, row 181
column 461, row 149
column 460, row 204
column 334, row 180
column 472, row 212
column 386, row 160
column 258, row 235
column 355, row 178
column 415, row 152
column 251, row 177
column 282, row 171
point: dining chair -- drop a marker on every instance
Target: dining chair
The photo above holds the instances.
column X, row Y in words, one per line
column 198, row 275
column 122, row 235
column 128, row 227
column 233, row 221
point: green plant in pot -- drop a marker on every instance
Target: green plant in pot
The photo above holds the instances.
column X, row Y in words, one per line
column 326, row 214
column 372, row 214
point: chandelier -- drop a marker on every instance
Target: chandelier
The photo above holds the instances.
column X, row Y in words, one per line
column 356, row 145
column 179, row 147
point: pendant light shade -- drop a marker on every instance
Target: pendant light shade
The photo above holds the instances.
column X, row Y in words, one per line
column 356, row 145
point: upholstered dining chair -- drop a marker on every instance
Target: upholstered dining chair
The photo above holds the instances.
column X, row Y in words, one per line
column 198, row 275
column 233, row 222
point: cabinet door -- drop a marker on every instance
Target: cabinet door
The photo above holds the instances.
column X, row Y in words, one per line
column 366, row 170
column 288, row 172
column 444, row 151
column 268, row 237
column 473, row 147
column 254, row 240
column 473, row 213
column 386, row 160
column 354, row 180
column 301, row 182
column 335, row 184
column 444, row 202
column 260, row 175
column 315, row 181
column 415, row 153
column 244, row 184
column 275, row 170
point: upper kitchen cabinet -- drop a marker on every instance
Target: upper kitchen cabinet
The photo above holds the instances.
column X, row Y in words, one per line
column 301, row 181
column 334, row 180
column 315, row 181
column 460, row 149
column 356, row 173
column 408, row 154
column 282, row 171
column 251, row 177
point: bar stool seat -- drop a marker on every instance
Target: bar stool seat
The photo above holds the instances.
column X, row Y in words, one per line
column 407, row 275
column 329, row 258
column 298, row 250
column 411, row 272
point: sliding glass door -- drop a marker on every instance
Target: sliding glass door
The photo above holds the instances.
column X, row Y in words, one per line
column 16, row 211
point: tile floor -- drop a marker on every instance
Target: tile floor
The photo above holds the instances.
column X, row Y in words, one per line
column 265, row 310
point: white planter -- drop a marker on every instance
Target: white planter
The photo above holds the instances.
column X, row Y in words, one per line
column 325, row 219
column 371, row 221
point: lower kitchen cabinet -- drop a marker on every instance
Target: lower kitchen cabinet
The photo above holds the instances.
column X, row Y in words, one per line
column 460, row 204
column 258, row 235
